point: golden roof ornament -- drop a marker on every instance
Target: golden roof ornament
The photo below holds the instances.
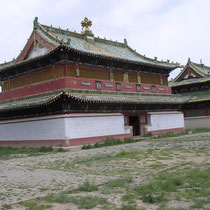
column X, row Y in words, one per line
column 86, row 23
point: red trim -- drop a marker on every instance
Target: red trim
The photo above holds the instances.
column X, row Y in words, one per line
column 158, row 132
column 61, row 142
column 70, row 83
column 91, row 140
column 34, row 143
column 29, row 44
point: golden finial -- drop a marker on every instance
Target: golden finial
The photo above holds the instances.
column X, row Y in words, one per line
column 86, row 24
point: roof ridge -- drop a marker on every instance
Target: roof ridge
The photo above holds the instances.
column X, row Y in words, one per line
column 58, row 30
column 106, row 41
column 201, row 65
column 48, row 34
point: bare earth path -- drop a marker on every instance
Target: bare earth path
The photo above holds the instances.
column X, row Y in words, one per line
column 25, row 178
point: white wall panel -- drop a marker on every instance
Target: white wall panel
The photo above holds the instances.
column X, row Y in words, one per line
column 165, row 120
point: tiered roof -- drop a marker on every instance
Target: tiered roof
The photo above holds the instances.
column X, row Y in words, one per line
column 86, row 43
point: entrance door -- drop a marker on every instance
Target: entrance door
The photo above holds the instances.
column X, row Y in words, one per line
column 134, row 122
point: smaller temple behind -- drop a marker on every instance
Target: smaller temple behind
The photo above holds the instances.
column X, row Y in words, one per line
column 194, row 82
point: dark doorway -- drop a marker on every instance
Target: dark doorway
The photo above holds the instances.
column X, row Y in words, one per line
column 134, row 122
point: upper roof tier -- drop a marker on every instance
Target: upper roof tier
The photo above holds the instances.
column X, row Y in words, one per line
column 86, row 42
column 199, row 73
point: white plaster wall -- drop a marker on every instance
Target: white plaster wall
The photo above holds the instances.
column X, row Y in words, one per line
column 63, row 127
column 95, row 125
column 165, row 120
column 197, row 122
column 39, row 51
column 33, row 130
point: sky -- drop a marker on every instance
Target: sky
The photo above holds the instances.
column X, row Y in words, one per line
column 167, row 29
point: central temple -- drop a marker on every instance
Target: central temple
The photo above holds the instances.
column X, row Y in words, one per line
column 67, row 88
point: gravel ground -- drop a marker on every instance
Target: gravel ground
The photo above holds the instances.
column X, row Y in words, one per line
column 25, row 178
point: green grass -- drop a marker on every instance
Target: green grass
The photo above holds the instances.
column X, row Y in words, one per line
column 129, row 155
column 130, row 206
column 155, row 191
column 129, row 197
column 14, row 152
column 200, row 203
column 111, row 142
column 193, row 182
column 186, row 132
column 157, row 165
column 88, row 186
column 6, row 207
column 32, row 205
column 88, row 202
column 122, row 182
column 62, row 198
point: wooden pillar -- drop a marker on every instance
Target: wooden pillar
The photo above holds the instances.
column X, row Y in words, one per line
column 64, row 70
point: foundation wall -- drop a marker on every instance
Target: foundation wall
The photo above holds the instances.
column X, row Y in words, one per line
column 63, row 130
column 197, row 122
column 163, row 122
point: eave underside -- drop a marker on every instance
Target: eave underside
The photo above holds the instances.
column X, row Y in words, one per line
column 66, row 102
column 65, row 54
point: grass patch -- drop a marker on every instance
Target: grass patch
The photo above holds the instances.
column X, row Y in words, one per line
column 6, row 207
column 186, row 132
column 157, row 165
column 14, row 152
column 193, row 183
column 155, row 190
column 32, row 205
column 130, row 206
column 110, row 142
column 88, row 186
column 62, row 198
column 88, row 202
column 200, row 203
column 129, row 197
column 120, row 182
column 129, row 155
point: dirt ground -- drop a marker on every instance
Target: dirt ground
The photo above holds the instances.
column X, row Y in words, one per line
column 26, row 178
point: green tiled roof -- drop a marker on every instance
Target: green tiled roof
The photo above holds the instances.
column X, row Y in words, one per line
column 196, row 96
column 201, row 69
column 91, row 97
column 96, row 46
column 189, row 81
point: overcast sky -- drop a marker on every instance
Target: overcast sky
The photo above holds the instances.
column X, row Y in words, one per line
column 168, row 29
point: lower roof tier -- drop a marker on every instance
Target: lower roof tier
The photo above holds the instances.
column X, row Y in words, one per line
column 198, row 96
column 89, row 97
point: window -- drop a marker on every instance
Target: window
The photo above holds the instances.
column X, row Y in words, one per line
column 111, row 75
column 98, row 85
column 143, row 119
column 153, row 88
column 118, row 86
column 149, row 119
column 138, row 88
column 125, row 77
column 161, row 80
column 125, row 120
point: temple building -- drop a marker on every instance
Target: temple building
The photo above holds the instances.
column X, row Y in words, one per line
column 194, row 82
column 67, row 88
